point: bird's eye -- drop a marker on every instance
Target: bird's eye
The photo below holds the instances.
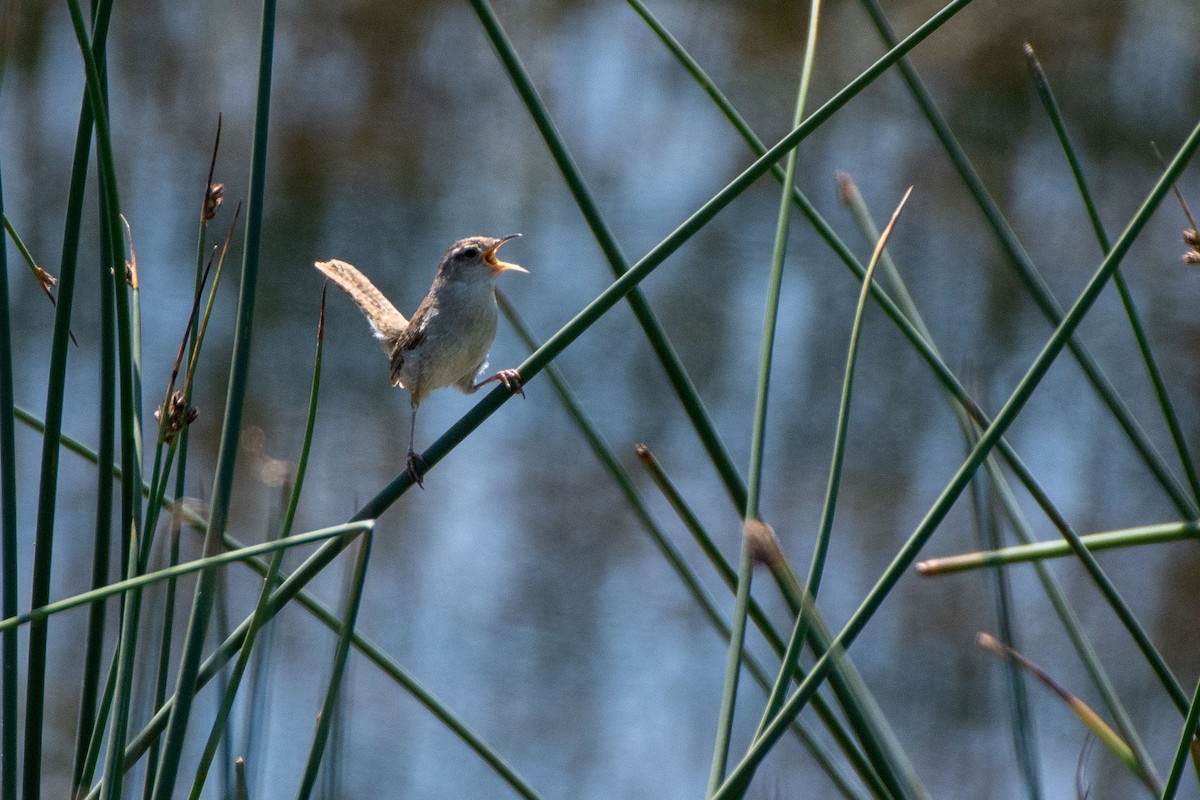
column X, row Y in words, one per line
column 469, row 252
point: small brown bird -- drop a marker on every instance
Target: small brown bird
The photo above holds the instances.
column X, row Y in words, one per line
column 447, row 340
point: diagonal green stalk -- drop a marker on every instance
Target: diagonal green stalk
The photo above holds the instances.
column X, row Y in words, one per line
column 30, row 261
column 372, row 652
column 740, row 776
column 1026, row 270
column 43, row 278
column 244, row 553
column 1188, row 743
column 189, row 664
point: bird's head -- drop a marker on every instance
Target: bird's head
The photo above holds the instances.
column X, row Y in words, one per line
column 475, row 257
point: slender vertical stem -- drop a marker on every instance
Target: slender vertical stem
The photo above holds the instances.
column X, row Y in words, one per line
column 326, row 717
column 758, row 437
column 189, row 665
column 35, row 686
column 9, row 571
column 102, row 541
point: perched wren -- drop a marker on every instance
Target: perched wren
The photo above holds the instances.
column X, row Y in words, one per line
column 447, row 340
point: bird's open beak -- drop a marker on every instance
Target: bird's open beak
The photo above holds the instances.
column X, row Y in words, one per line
column 489, row 257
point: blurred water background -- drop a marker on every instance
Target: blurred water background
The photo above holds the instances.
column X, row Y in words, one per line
column 518, row 587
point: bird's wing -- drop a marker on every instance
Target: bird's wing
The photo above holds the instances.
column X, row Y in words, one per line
column 388, row 323
column 410, row 339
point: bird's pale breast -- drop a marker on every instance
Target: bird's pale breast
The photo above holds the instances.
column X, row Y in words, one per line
column 455, row 340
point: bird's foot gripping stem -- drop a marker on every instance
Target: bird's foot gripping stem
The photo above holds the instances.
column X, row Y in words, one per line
column 509, row 377
column 416, row 466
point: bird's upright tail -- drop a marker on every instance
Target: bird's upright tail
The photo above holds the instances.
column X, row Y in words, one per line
column 387, row 322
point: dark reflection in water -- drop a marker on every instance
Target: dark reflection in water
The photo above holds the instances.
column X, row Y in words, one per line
column 518, row 587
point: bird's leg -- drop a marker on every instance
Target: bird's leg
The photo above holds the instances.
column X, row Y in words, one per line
column 509, row 377
column 416, row 464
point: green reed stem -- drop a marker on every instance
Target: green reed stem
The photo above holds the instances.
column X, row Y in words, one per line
column 216, row 661
column 243, row 553
column 1057, row 548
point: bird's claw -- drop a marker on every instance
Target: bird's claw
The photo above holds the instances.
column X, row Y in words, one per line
column 511, row 380
column 416, row 465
